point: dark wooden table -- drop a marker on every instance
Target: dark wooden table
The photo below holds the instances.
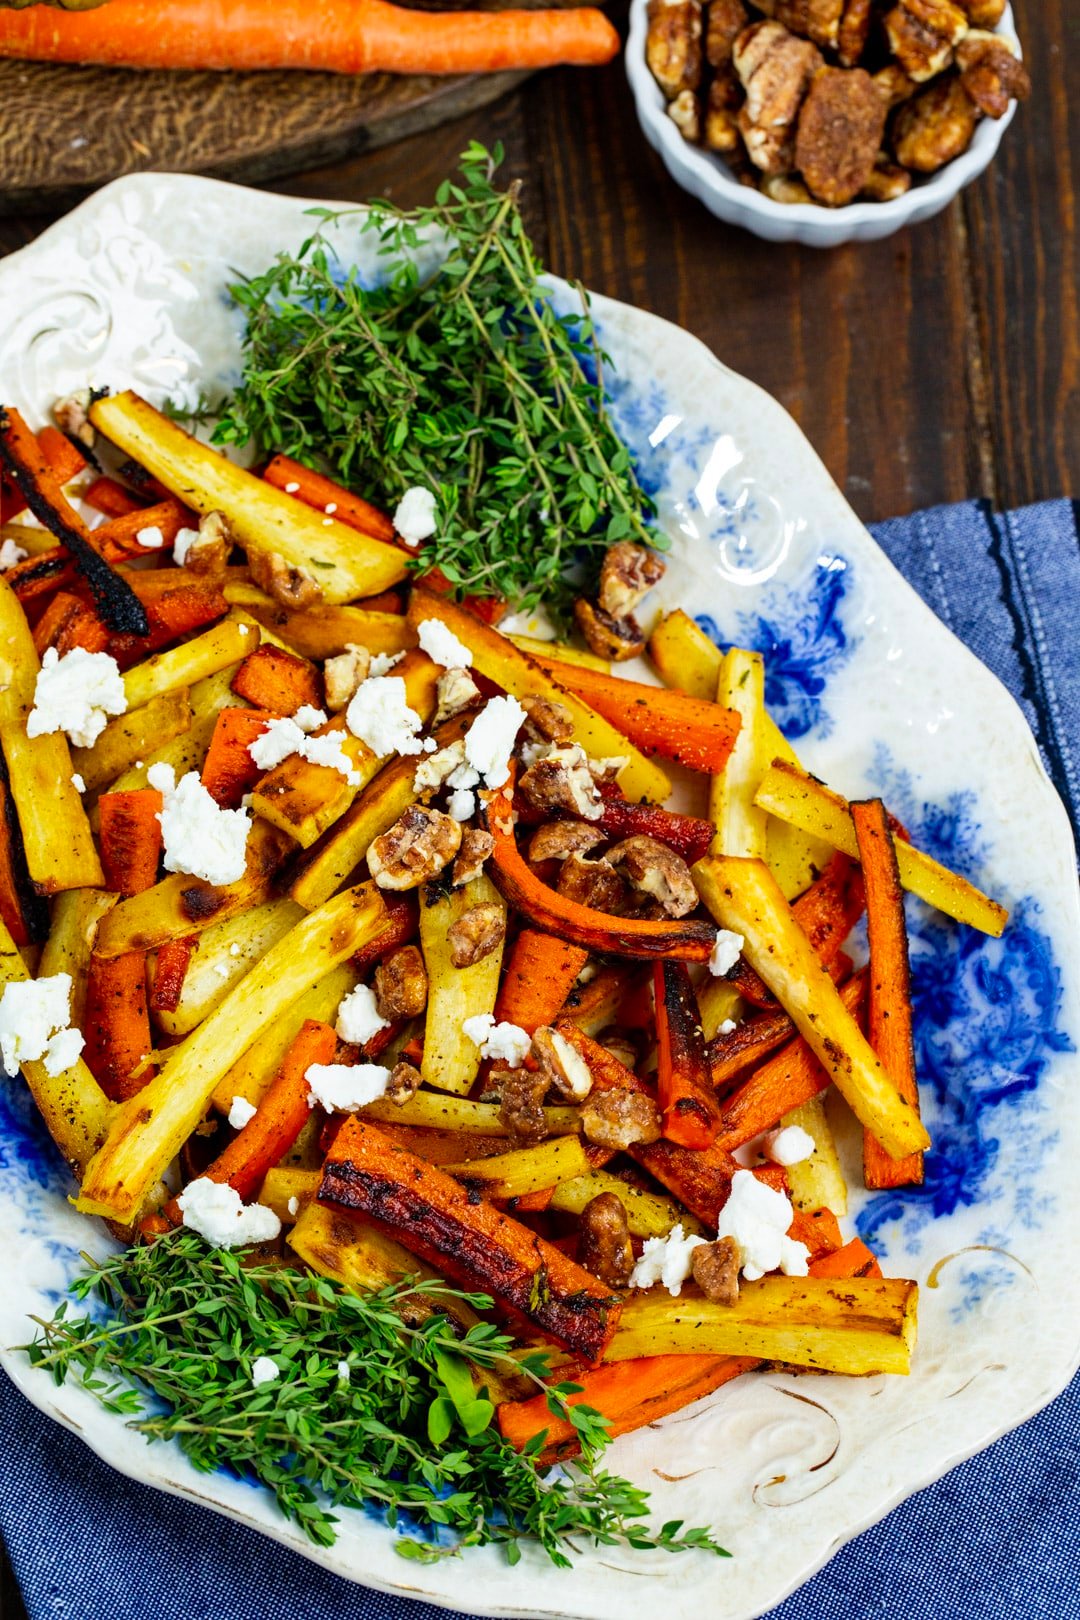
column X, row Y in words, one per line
column 940, row 364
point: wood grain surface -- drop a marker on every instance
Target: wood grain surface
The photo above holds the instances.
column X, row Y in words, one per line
column 941, row 364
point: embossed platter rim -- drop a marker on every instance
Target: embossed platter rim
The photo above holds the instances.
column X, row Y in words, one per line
column 129, row 286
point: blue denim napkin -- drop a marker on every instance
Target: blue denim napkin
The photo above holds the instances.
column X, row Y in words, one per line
column 994, row 1540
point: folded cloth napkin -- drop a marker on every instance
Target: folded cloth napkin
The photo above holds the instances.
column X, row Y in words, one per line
column 994, row 1540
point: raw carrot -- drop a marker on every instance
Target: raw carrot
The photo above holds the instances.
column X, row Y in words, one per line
column 690, row 1109
column 228, row 771
column 337, row 36
column 537, row 979
column 169, row 973
column 130, row 839
column 326, row 496
column 271, row 678
column 889, row 1007
column 117, row 1023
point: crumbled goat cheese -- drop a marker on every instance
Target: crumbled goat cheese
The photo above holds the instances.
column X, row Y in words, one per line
column 344, row 1371
column 727, row 948
column 281, row 738
column 358, row 1017
column 31, row 1010
column 330, row 508
column 575, row 1070
column 727, row 1027
column 216, row 1211
column 291, row 489
column 77, row 782
column 461, row 805
column 264, row 1371
column 75, row 694
column 383, row 663
column 294, row 1205
column 506, row 1043
column 342, row 1088
column 221, row 969
column 235, row 949
column 151, row 537
column 62, row 1050
column 200, row 838
column 241, row 1113
column 10, row 554
column 758, row 1217
column 442, row 646
column 309, row 718
column 414, row 516
column 327, row 750
column 665, row 1260
column 490, row 739
column 185, row 539
column 380, row 716
column 789, row 1145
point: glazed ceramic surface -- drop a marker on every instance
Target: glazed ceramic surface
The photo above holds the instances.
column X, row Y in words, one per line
column 708, row 178
column 877, row 696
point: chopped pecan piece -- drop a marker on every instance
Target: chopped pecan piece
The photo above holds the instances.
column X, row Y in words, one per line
column 477, row 933
column 455, row 689
column 547, row 721
column 818, row 20
column 476, row 845
column 344, row 674
column 595, row 884
column 983, row 13
column 627, row 575
column 521, row 1102
column 561, row 780
column 416, row 848
column 721, row 131
column 558, row 839
column 991, row 72
column 604, row 1246
column 71, row 415
column 209, row 551
column 673, row 45
column 401, row 985
column 935, row 126
column 617, row 639
column 785, row 188
column 291, row 586
column 893, row 85
column 620, row 1118
column 621, row 1046
column 715, row 1269
column 839, row 136
column 887, row 180
column 403, row 1083
column 775, row 68
column 685, row 114
column 725, row 22
column 561, row 1064
column 434, row 769
column 655, row 869
column 921, row 35
column 854, row 32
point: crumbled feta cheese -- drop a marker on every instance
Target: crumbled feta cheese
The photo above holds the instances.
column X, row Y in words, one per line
column 727, row 948
column 221, row 969
column 75, row 694
column 151, row 537
column 200, row 838
column 789, row 1145
column 309, row 718
column 10, row 554
column 264, row 1371
column 235, row 949
column 185, row 539
column 461, row 805
column 330, row 508
column 281, row 738
column 294, row 1205
column 216, row 1211
column 241, row 1113
column 327, row 750
column 328, row 523
column 380, row 716
column 358, row 1018
column 489, row 742
column 77, row 782
column 414, row 516
column 342, row 1088
column 442, row 646
column 727, row 1027
column 758, row 1217
column 383, row 663
column 31, row 1010
column 665, row 1260
column 62, row 1050
column 506, row 1043
column 344, row 1372
column 291, row 488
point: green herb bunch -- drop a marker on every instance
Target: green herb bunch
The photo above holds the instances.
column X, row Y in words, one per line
column 410, row 1430
column 461, row 378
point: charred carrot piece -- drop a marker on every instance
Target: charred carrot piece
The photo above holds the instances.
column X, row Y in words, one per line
column 748, row 1043
column 173, row 606
column 106, row 495
column 401, row 926
column 271, row 678
column 117, row 1024
column 25, row 914
column 691, row 1111
column 69, row 622
column 37, row 577
column 228, row 771
column 170, row 971
column 326, row 496
column 59, row 455
column 130, row 839
column 538, row 978
column 889, row 1005
column 854, row 1259
column 120, row 536
column 689, row 836
column 473, row 1243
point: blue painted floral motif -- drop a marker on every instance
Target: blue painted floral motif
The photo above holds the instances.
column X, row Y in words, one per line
column 803, row 641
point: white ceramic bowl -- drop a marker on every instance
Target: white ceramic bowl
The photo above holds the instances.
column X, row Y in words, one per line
column 707, row 177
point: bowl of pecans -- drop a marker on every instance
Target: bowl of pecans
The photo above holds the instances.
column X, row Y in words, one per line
column 824, row 121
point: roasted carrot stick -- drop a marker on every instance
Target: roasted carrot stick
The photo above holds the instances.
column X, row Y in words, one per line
column 400, row 926
column 271, row 678
column 326, row 496
column 130, row 839
column 748, row 1043
column 691, row 1111
column 853, row 1260
column 337, row 36
column 69, row 622
column 61, row 457
column 228, row 771
column 659, row 719
column 689, row 836
column 171, row 968
column 889, row 1007
column 173, row 605
column 106, row 495
column 537, row 979
column 826, row 913
column 280, row 1117
column 117, row 1023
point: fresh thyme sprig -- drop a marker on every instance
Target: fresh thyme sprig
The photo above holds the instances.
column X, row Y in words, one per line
column 410, row 1430
column 461, row 378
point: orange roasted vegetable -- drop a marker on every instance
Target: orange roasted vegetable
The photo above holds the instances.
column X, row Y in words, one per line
column 690, row 1109
column 537, row 979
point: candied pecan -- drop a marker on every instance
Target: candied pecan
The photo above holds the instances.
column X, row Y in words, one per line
column 476, row 845
column 725, row 22
column 547, row 721
column 455, row 689
column 595, row 884
column 289, row 585
column 627, row 575
column 561, row 1064
column 839, row 136
column 935, row 126
column 561, row 780
column 983, row 13
column 721, row 130
column 656, row 870
column 521, row 1102
column 403, row 1083
column 887, row 180
column 555, row 840
column 344, row 674
column 477, row 933
column 673, row 45
column 818, row 20
column 854, row 32
column 401, row 985
column 893, row 85
column 775, row 68
column 619, row 1118
column 617, row 639
column 715, row 1269
column 71, row 415
column 209, row 551
column 785, row 188
column 921, row 35
column 604, row 1246
column 416, row 848
column 991, row 72
column 620, row 1045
